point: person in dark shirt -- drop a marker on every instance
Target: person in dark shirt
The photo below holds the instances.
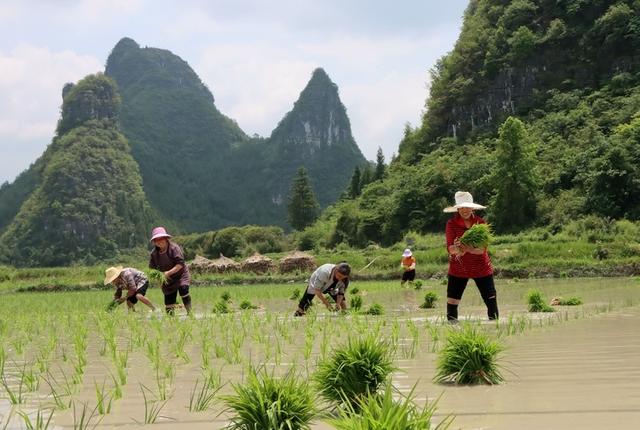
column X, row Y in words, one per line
column 465, row 262
column 168, row 258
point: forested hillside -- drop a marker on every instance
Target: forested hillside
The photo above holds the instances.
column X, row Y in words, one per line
column 567, row 73
column 87, row 201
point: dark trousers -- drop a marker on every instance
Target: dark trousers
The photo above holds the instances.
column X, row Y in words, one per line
column 486, row 286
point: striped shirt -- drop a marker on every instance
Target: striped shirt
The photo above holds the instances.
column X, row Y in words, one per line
column 468, row 265
column 131, row 280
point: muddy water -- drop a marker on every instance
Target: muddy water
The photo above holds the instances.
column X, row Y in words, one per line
column 584, row 374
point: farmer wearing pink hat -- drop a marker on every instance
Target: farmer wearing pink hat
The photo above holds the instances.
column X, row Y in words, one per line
column 408, row 264
column 465, row 262
column 168, row 258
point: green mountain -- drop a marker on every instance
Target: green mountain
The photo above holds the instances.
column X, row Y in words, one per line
column 87, row 201
column 199, row 168
column 568, row 69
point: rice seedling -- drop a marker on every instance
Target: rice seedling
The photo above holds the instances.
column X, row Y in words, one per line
column 417, row 285
column 537, row 302
column 202, row 399
column 469, row 357
column 30, row 377
column 354, row 291
column 246, row 305
column 213, row 378
column 15, row 396
column 384, row 412
column 430, row 300
column 104, row 399
column 375, row 309
column 156, row 278
column 117, row 387
column 41, row 422
column 226, row 296
column 152, row 408
column 356, row 303
column 571, row 301
column 82, row 421
column 221, row 307
column 478, row 236
column 295, row 295
column 354, row 370
column 269, row 403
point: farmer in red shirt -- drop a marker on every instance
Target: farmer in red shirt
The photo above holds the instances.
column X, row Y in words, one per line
column 466, row 262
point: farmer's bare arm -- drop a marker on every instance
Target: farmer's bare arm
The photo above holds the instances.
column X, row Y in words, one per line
column 470, row 250
column 323, row 299
column 175, row 269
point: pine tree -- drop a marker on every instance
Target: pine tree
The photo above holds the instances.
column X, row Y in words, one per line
column 303, row 207
column 366, row 177
column 514, row 203
column 380, row 167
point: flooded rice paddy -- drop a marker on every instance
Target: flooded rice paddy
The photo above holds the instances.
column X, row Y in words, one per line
column 62, row 355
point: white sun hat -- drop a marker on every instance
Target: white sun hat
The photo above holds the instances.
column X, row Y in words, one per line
column 407, row 253
column 464, row 199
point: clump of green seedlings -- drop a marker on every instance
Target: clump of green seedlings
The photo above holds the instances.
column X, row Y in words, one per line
column 469, row 357
column 201, row 399
column 221, row 307
column 478, row 236
column 430, row 300
column 295, row 294
column 354, row 290
column 269, row 403
column 571, row 301
column 537, row 302
column 152, row 408
column 247, row 305
column 355, row 303
column 156, row 278
column 41, row 420
column 354, row 370
column 417, row 285
column 375, row 309
column 383, row 412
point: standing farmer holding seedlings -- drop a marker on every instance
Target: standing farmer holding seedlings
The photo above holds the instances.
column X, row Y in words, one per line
column 408, row 265
column 168, row 258
column 332, row 279
column 133, row 281
column 467, row 240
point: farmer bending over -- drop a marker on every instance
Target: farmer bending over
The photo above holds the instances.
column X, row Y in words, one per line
column 332, row 279
column 133, row 281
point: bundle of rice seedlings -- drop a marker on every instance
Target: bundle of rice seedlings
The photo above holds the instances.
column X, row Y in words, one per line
column 156, row 278
column 112, row 306
column 226, row 296
column 417, row 285
column 354, row 290
column 384, row 412
column 246, row 304
column 375, row 309
column 571, row 301
column 269, row 403
column 295, row 295
column 478, row 236
column 430, row 300
column 537, row 302
column 356, row 303
column 354, row 370
column 469, row 357
column 221, row 307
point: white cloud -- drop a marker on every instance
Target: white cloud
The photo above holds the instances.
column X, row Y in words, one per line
column 31, row 81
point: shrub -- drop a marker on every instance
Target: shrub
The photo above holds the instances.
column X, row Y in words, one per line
column 430, row 300
column 537, row 302
column 228, row 241
column 354, row 370
column 269, row 403
column 383, row 412
column 375, row 309
column 469, row 357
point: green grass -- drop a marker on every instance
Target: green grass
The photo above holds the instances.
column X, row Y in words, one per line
column 354, row 370
column 469, row 357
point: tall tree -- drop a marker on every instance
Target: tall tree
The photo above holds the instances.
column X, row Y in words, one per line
column 514, row 204
column 380, row 167
column 356, row 185
column 366, row 176
column 303, row 207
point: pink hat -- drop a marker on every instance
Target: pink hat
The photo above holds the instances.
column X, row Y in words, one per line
column 158, row 233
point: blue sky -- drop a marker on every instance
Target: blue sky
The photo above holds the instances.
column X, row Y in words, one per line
column 255, row 56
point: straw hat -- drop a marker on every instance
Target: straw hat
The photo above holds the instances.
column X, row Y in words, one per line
column 111, row 274
column 407, row 253
column 158, row 233
column 463, row 200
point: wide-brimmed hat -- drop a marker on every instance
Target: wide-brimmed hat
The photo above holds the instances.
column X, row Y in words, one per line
column 158, row 233
column 463, row 200
column 407, row 253
column 111, row 274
